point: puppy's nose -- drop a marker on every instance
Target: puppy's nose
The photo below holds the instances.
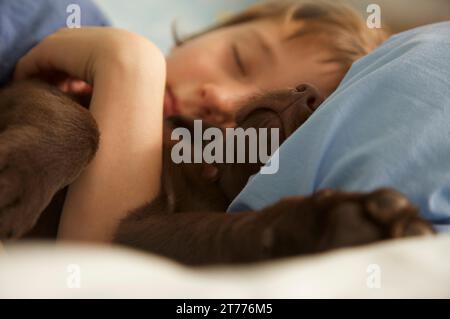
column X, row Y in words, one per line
column 301, row 88
column 312, row 97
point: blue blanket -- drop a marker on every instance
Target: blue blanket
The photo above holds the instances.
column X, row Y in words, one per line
column 23, row 23
column 388, row 124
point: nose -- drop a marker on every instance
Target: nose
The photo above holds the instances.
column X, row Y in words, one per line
column 216, row 105
column 312, row 97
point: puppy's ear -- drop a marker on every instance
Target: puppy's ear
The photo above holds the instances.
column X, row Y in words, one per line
column 208, row 172
column 249, row 115
column 258, row 117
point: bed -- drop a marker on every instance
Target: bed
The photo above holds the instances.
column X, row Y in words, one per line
column 408, row 268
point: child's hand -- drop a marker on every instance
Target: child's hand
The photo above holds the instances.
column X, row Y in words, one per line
column 83, row 53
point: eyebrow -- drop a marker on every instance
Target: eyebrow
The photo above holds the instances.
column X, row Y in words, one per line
column 266, row 48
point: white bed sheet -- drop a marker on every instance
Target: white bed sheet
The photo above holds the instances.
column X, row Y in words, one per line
column 408, row 268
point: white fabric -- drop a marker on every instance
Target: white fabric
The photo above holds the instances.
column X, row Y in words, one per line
column 418, row 267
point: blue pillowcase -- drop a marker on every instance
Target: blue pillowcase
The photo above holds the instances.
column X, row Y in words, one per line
column 388, row 124
column 24, row 23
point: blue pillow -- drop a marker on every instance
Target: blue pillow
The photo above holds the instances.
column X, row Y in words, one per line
column 24, row 23
column 388, row 124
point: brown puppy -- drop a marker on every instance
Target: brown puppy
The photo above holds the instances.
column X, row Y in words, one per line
column 47, row 139
column 204, row 234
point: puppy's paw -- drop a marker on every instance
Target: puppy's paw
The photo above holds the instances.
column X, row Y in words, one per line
column 355, row 219
column 395, row 214
column 331, row 219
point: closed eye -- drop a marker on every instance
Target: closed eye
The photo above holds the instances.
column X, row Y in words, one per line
column 238, row 60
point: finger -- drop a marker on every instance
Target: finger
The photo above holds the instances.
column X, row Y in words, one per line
column 79, row 87
column 64, row 85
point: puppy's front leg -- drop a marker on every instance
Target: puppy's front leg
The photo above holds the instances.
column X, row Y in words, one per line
column 198, row 238
column 293, row 226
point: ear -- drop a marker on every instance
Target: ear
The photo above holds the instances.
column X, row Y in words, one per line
column 259, row 118
column 244, row 115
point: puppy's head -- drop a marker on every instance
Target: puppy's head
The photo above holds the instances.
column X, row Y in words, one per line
column 285, row 110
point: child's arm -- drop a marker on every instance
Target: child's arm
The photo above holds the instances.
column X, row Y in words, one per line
column 125, row 173
column 128, row 74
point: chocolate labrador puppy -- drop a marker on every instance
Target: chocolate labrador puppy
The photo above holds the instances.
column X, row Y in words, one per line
column 47, row 139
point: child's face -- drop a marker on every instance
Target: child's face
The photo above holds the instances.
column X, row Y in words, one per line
column 209, row 75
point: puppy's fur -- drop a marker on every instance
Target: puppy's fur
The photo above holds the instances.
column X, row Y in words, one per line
column 47, row 139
